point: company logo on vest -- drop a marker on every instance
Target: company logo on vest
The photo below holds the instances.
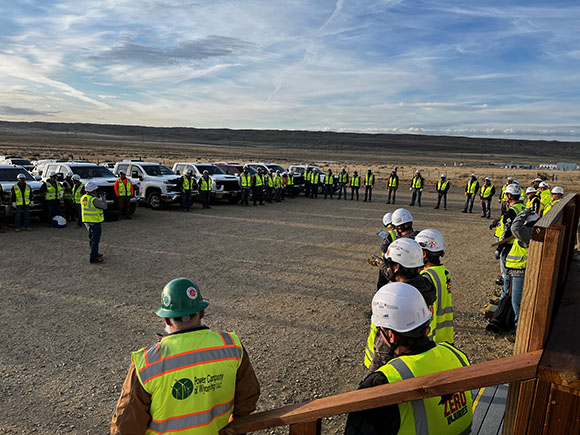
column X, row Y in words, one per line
column 182, row 389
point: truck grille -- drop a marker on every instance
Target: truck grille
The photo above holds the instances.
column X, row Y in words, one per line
column 230, row 185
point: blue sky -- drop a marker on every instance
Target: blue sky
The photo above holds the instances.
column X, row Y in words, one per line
column 475, row 68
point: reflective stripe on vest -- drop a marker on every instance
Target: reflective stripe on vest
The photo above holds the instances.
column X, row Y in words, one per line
column 442, row 322
column 124, row 189
column 246, row 179
column 52, row 192
column 307, row 176
column 259, row 180
column 369, row 179
column 417, row 183
column 205, row 184
column 502, row 194
column 187, row 183
column 472, row 187
column 432, row 416
column 290, row 180
column 315, row 178
column 486, row 191
column 67, row 194
column 370, row 348
column 89, row 212
column 191, row 378
column 517, row 258
column 278, row 182
column 19, row 199
column 545, row 198
column 78, row 192
column 442, row 185
column 355, row 181
column 329, row 179
column 499, row 230
column 342, row 177
column 550, row 205
column 393, row 181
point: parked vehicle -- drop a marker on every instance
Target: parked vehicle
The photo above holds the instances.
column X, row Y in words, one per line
column 301, row 169
column 234, row 168
column 17, row 161
column 158, row 184
column 8, row 178
column 104, row 178
column 223, row 186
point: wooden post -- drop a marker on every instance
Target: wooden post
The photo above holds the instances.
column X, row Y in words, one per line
column 308, row 428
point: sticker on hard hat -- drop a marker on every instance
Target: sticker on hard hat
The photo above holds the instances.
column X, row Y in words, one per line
column 191, row 293
column 166, row 300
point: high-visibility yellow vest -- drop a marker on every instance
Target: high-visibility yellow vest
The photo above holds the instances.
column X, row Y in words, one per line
column 89, row 212
column 486, row 191
column 550, row 205
column 78, row 192
column 370, row 347
column 442, row 322
column 246, row 179
column 191, row 378
column 472, row 187
column 67, row 192
column 52, row 191
column 533, row 200
column 307, row 176
column 393, row 181
column 517, row 258
column 369, row 179
column 502, row 194
column 187, row 183
column 442, row 185
column 329, row 179
column 417, row 183
column 518, row 207
column 315, row 178
column 125, row 189
column 432, row 416
column 355, row 181
column 20, row 200
column 259, row 180
column 343, row 177
column 278, row 182
column 205, row 185
column 545, row 198
column 290, row 180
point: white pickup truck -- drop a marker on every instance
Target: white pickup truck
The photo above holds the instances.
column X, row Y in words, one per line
column 223, row 186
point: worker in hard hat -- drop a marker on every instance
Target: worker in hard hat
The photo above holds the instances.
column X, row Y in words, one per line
column 533, row 200
column 92, row 214
column 307, row 181
column 69, row 209
column 433, row 244
column 278, row 186
column 329, row 184
column 78, row 191
column 354, row 185
column 545, row 196
column 416, row 188
column 536, row 183
column 502, row 198
column 52, row 191
column 194, row 380
column 486, row 193
column 442, row 187
column 369, row 185
column 402, row 318
column 402, row 263
column 21, row 194
column 314, row 181
column 503, row 231
column 258, row 182
column 124, row 192
column 342, row 182
column 557, row 195
column 188, row 185
column 392, row 186
column 205, row 182
column 390, row 232
column 403, row 223
column 471, row 189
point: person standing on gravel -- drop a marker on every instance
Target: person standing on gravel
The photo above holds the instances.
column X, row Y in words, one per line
column 416, row 188
column 205, row 189
column 258, row 187
column 402, row 318
column 21, row 198
column 471, row 189
column 442, row 189
column 342, row 182
column 354, row 185
column 92, row 214
column 485, row 195
column 52, row 193
column 188, row 185
column 392, row 185
column 246, row 184
column 314, row 180
column 124, row 192
column 194, row 378
column 78, row 191
column 329, row 184
column 369, row 184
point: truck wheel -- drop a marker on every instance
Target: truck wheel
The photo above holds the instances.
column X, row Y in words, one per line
column 154, row 200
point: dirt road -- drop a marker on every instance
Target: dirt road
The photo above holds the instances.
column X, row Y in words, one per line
column 291, row 279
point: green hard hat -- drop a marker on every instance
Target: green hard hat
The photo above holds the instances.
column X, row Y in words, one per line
column 181, row 297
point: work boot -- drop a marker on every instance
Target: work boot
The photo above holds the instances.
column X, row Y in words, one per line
column 96, row 260
column 464, row 211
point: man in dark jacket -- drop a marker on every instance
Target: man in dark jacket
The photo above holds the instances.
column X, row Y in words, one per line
column 442, row 189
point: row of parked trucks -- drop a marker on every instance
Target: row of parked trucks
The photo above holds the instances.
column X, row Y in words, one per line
column 154, row 183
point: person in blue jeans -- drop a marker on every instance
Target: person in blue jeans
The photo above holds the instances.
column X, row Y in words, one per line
column 93, row 215
column 22, row 198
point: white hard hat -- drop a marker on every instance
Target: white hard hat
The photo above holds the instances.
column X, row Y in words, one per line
column 516, row 182
column 406, row 252
column 531, row 190
column 473, row 175
column 510, row 178
column 443, row 175
column 394, row 170
column 513, row 189
column 21, row 175
column 52, row 174
column 343, row 168
column 76, row 177
column 387, row 219
column 91, row 187
column 401, row 216
column 69, row 174
column 544, row 185
column 431, row 240
column 369, row 169
column 400, row 307
column 418, row 171
column 539, row 180
column 122, row 171
column 558, row 189
column 487, row 179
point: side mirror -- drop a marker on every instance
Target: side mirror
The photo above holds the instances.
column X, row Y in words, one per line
column 140, row 178
column 60, row 177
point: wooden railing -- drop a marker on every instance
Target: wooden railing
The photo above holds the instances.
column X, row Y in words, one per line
column 549, row 260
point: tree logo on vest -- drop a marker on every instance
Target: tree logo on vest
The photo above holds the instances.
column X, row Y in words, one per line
column 182, row 389
column 191, row 293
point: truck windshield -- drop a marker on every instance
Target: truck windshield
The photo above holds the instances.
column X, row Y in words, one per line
column 276, row 168
column 95, row 171
column 11, row 174
column 21, row 162
column 157, row 170
column 211, row 169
